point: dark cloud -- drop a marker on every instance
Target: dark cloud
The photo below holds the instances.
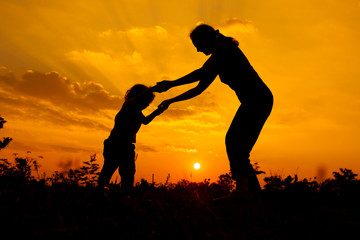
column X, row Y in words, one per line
column 145, row 148
column 178, row 113
column 63, row 148
column 20, row 146
column 205, row 103
column 30, row 109
column 52, row 98
column 58, row 90
column 65, row 165
column 66, row 119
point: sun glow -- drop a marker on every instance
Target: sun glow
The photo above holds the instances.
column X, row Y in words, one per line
column 197, row 166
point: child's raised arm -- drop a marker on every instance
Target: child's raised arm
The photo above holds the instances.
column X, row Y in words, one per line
column 155, row 113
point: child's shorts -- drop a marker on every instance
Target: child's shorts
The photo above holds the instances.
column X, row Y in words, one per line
column 121, row 154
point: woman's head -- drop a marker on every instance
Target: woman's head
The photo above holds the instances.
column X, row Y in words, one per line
column 204, row 38
column 136, row 90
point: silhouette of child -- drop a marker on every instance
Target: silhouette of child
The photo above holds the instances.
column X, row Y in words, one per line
column 119, row 148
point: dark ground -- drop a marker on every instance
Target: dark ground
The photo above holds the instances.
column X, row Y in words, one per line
column 182, row 211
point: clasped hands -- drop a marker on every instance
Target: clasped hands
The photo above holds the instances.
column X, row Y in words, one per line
column 160, row 87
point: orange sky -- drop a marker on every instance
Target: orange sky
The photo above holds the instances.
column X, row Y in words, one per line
column 65, row 65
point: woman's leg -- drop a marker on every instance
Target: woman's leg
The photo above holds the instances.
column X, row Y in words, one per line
column 240, row 139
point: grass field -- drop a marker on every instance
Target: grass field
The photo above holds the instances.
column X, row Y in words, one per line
column 66, row 205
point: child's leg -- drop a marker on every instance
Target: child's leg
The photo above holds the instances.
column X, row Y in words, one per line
column 127, row 170
column 111, row 163
column 110, row 166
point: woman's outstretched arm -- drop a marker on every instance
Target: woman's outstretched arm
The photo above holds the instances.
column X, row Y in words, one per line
column 189, row 78
column 204, row 83
column 207, row 71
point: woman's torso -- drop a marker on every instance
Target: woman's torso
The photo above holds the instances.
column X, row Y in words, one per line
column 235, row 70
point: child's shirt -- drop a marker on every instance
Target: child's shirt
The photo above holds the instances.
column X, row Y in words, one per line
column 127, row 123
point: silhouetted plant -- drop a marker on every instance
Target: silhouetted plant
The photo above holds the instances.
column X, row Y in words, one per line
column 144, row 185
column 344, row 182
column 6, row 168
column 257, row 169
column 89, row 173
column 75, row 177
column 23, row 168
column 58, row 177
column 86, row 175
column 6, row 140
column 226, row 182
column 277, row 183
column 345, row 175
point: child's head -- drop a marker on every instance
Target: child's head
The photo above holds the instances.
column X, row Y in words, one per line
column 137, row 89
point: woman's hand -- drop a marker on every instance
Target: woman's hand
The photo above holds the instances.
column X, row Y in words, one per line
column 163, row 86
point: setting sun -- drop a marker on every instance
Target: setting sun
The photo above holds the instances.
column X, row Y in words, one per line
column 197, row 166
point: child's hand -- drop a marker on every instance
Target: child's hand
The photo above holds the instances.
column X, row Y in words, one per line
column 162, row 86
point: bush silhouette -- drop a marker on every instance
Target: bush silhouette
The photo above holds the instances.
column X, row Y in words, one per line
column 66, row 206
column 6, row 140
column 86, row 175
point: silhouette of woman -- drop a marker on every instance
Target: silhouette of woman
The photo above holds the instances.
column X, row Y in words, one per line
column 233, row 68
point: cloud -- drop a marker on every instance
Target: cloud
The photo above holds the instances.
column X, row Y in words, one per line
column 180, row 149
column 145, row 148
column 193, row 126
column 179, row 113
column 133, row 55
column 53, row 99
column 62, row 118
column 156, row 32
column 31, row 109
column 235, row 25
column 65, row 165
column 123, row 69
column 67, row 148
column 59, row 90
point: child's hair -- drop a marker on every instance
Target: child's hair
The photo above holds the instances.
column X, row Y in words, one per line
column 138, row 89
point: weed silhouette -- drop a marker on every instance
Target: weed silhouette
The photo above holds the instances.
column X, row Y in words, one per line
column 6, row 140
column 64, row 205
